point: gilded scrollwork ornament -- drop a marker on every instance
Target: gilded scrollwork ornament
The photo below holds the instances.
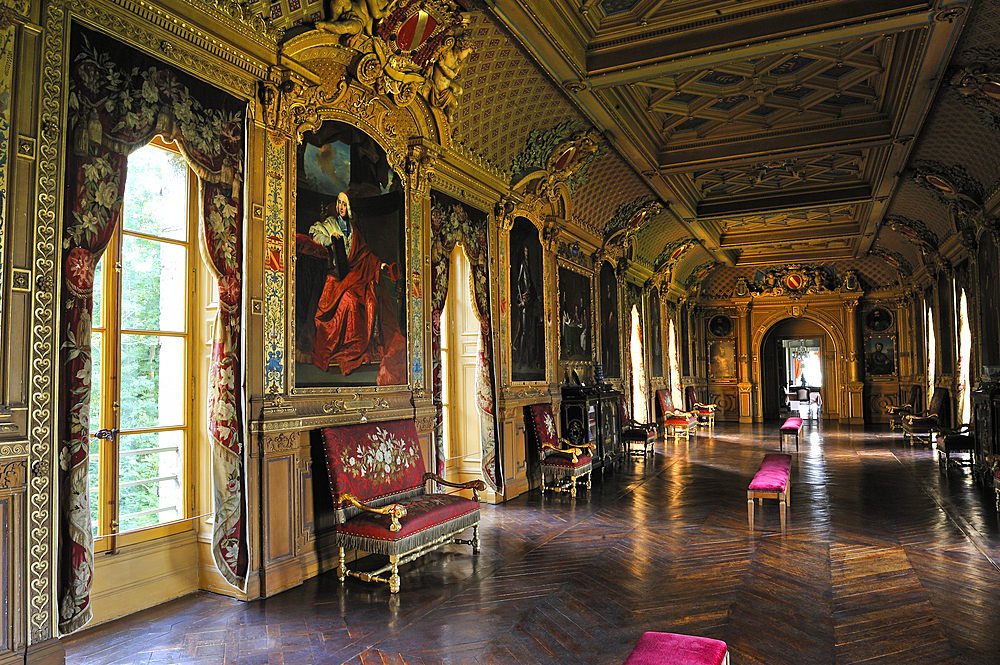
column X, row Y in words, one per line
column 397, row 48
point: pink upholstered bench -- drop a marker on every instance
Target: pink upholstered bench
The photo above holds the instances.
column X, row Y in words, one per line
column 792, row 425
column 772, row 481
column 674, row 649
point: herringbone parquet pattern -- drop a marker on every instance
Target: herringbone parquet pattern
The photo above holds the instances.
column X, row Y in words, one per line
column 884, row 560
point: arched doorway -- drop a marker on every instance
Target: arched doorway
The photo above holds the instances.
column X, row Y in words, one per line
column 793, row 352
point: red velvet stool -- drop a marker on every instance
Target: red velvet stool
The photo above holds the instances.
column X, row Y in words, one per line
column 674, row 649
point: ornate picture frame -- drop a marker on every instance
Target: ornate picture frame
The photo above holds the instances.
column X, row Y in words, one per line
column 880, row 355
column 720, row 325
column 721, row 359
column 655, row 333
column 527, row 303
column 350, row 305
column 611, row 363
column 576, row 316
column 879, row 320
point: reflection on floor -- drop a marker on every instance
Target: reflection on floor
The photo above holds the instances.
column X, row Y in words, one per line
column 885, row 560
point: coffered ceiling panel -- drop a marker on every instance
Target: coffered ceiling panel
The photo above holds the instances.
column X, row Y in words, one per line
column 505, row 97
column 772, row 130
column 610, row 182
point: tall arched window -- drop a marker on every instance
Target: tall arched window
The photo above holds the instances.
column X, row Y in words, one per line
column 675, row 375
column 640, row 411
column 964, row 350
column 931, row 352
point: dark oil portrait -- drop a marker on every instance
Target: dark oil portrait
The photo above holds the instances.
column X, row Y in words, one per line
column 350, row 300
column 610, row 349
column 527, row 303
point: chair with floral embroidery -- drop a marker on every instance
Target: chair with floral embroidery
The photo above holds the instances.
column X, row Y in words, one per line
column 563, row 461
column 381, row 501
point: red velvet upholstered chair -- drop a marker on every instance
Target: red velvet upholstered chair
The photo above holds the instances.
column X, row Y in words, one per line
column 896, row 413
column 634, row 432
column 675, row 422
column 563, row 461
column 381, row 501
column 704, row 412
column 933, row 419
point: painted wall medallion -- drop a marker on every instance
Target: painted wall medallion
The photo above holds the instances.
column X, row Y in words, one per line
column 720, row 326
column 878, row 319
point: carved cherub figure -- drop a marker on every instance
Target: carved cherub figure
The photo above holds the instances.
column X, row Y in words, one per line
column 445, row 90
column 353, row 20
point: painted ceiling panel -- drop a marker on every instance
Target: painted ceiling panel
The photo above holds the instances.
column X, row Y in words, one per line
column 506, row 96
column 610, row 182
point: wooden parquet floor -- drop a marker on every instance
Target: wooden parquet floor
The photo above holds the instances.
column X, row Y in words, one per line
column 885, row 559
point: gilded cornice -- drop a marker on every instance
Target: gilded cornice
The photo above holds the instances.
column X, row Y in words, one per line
column 238, row 15
column 174, row 40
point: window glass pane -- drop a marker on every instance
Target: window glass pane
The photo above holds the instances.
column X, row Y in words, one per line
column 150, row 479
column 94, row 480
column 95, row 381
column 153, row 285
column 156, row 193
column 98, row 317
column 152, row 381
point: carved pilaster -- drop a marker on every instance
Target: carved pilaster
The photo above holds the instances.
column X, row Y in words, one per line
column 420, row 163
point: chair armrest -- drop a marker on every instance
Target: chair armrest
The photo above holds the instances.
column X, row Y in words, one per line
column 899, row 410
column 393, row 510
column 574, row 451
column 580, row 446
column 706, row 406
column 476, row 486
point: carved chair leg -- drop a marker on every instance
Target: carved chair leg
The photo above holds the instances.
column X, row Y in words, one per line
column 750, row 512
column 543, row 483
column 394, row 578
column 572, row 488
column 343, row 566
column 475, row 539
column 588, row 480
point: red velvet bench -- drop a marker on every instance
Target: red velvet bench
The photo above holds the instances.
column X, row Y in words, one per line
column 381, row 501
column 674, row 649
column 772, row 481
column 791, row 425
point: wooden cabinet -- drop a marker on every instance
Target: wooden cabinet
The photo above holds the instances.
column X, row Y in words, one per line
column 610, row 427
column 590, row 415
column 986, row 416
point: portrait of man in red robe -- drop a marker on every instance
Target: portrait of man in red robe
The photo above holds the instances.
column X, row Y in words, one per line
column 348, row 287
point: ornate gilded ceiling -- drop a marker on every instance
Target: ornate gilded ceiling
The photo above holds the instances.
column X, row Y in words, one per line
column 770, row 130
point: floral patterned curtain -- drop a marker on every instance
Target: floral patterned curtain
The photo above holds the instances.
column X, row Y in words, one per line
column 452, row 224
column 114, row 110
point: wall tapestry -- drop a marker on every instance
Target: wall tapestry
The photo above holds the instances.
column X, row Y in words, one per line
column 527, row 336
column 113, row 111
column 576, row 331
column 350, row 271
column 453, row 223
column 610, row 345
